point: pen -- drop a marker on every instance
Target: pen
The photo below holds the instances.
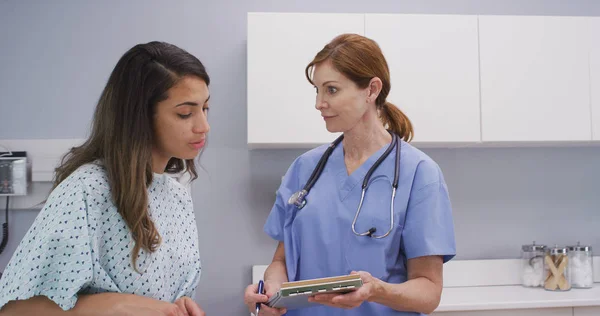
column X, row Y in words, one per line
column 261, row 284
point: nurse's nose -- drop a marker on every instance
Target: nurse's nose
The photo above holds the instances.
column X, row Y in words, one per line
column 320, row 103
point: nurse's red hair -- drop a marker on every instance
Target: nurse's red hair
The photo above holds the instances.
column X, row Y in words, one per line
column 360, row 59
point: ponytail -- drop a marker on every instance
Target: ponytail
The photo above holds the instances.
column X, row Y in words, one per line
column 396, row 121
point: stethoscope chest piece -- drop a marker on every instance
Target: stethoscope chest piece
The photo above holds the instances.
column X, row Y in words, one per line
column 298, row 199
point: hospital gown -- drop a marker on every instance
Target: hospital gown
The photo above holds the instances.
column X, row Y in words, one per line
column 80, row 244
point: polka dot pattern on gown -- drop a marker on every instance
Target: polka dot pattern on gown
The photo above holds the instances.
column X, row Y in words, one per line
column 79, row 244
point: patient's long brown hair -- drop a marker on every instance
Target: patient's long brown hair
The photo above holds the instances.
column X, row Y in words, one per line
column 122, row 133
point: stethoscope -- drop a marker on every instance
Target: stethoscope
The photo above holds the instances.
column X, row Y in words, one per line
column 299, row 198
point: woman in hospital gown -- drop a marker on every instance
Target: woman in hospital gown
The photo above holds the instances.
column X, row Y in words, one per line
column 118, row 235
column 402, row 272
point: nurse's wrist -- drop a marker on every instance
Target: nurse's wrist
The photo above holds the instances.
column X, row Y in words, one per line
column 378, row 290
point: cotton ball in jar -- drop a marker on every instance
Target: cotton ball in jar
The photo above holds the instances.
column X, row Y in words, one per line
column 581, row 270
column 533, row 272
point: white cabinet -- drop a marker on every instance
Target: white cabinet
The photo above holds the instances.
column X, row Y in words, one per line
column 568, row 311
column 434, row 71
column 586, row 311
column 281, row 102
column 595, row 76
column 460, row 79
column 535, row 78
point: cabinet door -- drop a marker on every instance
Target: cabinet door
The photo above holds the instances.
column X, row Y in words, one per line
column 595, row 76
column 434, row 71
column 281, row 102
column 567, row 311
column 535, row 78
column 586, row 311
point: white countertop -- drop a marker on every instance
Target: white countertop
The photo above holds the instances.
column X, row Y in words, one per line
column 514, row 297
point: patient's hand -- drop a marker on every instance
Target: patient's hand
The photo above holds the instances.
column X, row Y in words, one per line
column 192, row 308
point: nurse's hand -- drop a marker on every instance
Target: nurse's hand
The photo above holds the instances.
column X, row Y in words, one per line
column 251, row 297
column 192, row 308
column 353, row 299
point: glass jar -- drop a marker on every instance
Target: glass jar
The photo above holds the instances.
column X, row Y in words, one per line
column 581, row 266
column 556, row 269
column 532, row 265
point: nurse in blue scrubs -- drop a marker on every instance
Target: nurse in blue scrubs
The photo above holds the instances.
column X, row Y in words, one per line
column 399, row 258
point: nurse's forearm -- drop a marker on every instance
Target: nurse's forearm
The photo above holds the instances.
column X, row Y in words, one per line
column 417, row 295
column 276, row 272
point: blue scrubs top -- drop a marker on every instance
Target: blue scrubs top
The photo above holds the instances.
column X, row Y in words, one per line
column 319, row 241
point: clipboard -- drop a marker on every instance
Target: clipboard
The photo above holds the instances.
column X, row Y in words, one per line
column 294, row 295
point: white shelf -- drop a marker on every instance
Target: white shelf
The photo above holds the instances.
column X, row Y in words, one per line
column 42, row 154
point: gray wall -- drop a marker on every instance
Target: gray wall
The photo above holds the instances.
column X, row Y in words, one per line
column 56, row 56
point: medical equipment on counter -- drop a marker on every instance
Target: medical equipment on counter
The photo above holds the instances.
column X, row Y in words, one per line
column 581, row 265
column 532, row 266
column 557, row 273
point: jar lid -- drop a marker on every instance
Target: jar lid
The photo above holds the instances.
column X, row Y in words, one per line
column 580, row 247
column 556, row 250
column 533, row 247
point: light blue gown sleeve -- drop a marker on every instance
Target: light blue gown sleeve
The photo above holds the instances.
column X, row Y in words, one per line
column 192, row 288
column 429, row 227
column 191, row 293
column 275, row 223
column 54, row 259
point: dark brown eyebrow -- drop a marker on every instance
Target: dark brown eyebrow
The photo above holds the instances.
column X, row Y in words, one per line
column 191, row 103
column 187, row 103
column 330, row 81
